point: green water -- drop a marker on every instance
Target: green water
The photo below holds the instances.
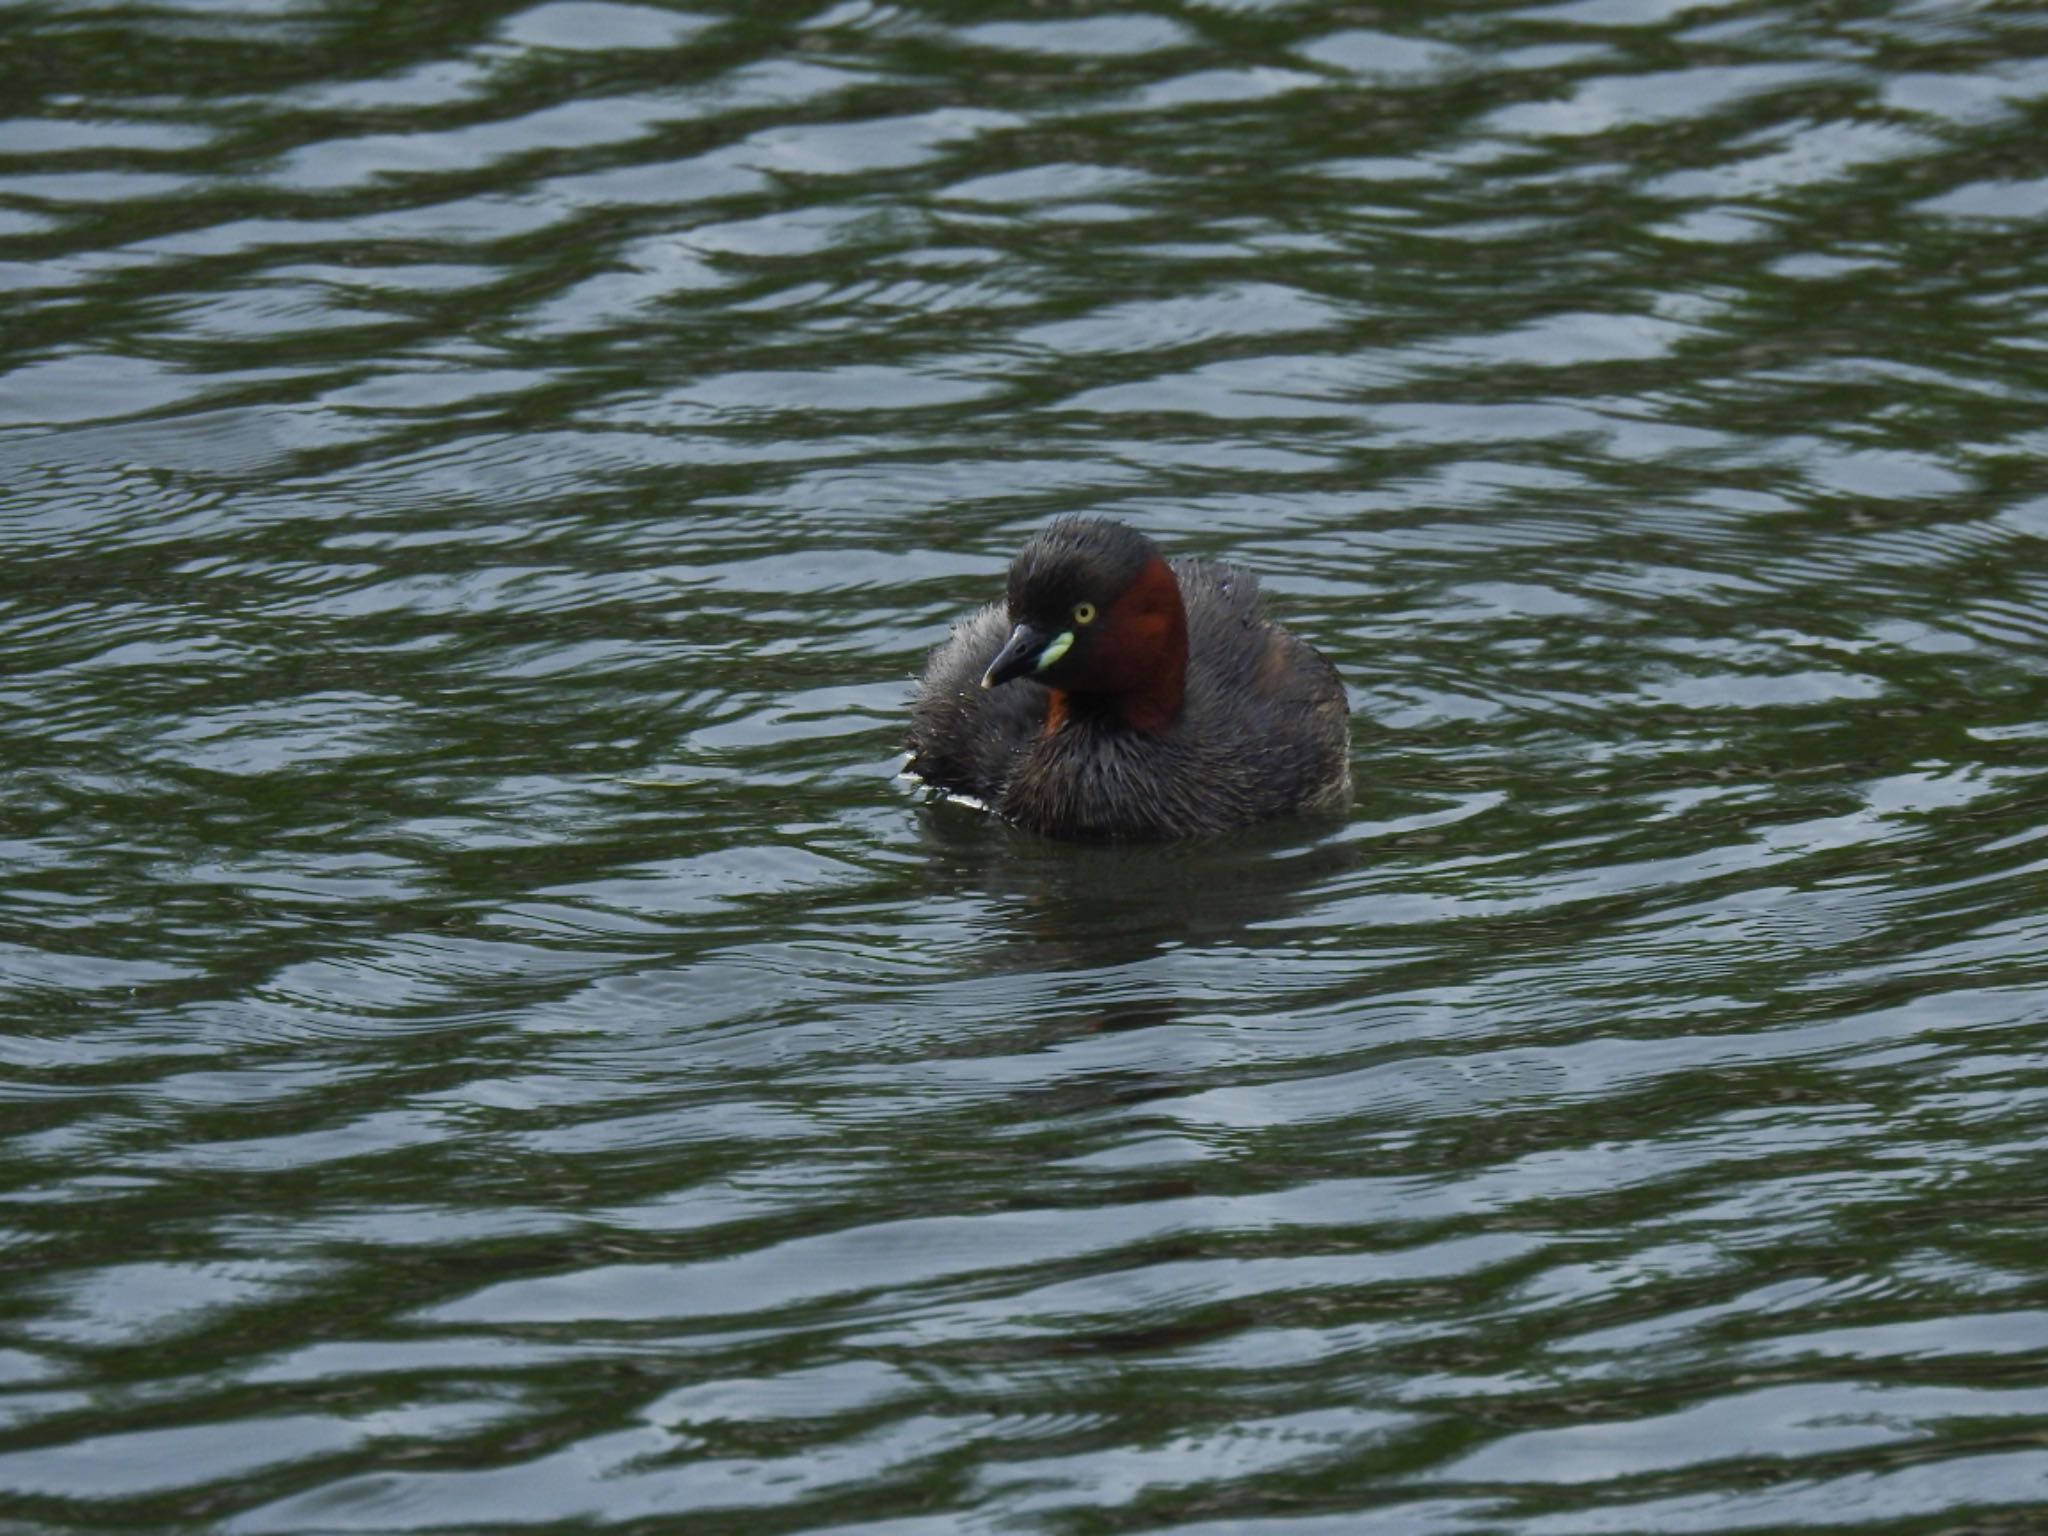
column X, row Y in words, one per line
column 488, row 1042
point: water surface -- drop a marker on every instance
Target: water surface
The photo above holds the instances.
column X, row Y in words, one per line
column 490, row 1045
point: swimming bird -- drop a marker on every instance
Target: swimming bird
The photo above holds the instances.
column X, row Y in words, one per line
column 1116, row 694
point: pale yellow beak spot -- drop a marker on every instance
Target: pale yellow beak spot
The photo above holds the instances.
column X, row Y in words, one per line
column 1054, row 651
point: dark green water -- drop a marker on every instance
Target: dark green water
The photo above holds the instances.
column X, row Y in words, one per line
column 489, row 1045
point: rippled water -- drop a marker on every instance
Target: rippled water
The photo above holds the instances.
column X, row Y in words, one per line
column 491, row 1046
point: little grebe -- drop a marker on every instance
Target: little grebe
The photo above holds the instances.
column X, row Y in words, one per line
column 1117, row 695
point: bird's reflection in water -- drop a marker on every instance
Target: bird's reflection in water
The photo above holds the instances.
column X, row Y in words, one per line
column 1102, row 911
column 1151, row 944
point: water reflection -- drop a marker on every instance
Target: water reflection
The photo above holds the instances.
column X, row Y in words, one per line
column 1053, row 906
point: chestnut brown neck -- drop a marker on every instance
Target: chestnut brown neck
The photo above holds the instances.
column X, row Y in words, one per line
column 1055, row 710
column 1143, row 672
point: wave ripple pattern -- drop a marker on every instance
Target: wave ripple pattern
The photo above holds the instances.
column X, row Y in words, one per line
column 487, row 1046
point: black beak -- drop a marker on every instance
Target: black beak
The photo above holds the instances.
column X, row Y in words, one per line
column 1018, row 656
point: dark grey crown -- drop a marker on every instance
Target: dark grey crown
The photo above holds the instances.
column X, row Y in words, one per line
column 1076, row 559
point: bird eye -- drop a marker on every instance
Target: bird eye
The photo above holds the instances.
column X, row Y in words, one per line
column 1084, row 613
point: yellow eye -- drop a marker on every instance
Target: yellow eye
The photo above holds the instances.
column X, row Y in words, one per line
column 1084, row 613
